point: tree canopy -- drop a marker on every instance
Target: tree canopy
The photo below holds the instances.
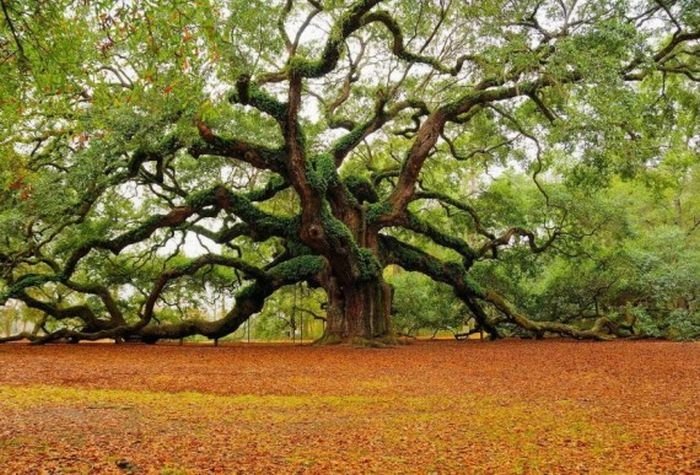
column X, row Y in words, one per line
column 160, row 157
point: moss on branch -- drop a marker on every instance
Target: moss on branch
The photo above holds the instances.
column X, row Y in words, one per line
column 297, row 269
column 321, row 172
column 248, row 93
column 274, row 185
column 361, row 188
column 377, row 210
column 417, row 225
column 454, row 274
column 348, row 23
column 369, row 266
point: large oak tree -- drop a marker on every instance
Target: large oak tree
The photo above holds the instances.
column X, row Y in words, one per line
column 312, row 141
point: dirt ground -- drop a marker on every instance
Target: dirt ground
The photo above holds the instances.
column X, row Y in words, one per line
column 432, row 407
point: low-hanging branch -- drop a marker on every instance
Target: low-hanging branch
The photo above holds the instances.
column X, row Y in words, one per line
column 249, row 300
column 411, row 258
column 218, row 197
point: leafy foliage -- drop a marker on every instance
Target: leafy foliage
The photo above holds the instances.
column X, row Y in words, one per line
column 422, row 304
column 166, row 168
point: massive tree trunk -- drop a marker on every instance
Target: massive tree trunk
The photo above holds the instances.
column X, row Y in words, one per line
column 359, row 301
column 358, row 313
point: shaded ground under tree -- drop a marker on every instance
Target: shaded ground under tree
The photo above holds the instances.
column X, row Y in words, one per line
column 452, row 407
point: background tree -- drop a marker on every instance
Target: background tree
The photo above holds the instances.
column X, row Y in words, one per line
column 638, row 266
column 423, row 304
column 154, row 152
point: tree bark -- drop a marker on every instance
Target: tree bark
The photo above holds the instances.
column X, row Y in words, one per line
column 359, row 307
column 358, row 313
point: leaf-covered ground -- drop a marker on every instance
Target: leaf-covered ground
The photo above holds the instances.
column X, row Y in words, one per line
column 442, row 407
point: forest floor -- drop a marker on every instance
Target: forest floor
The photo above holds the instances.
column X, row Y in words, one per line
column 431, row 407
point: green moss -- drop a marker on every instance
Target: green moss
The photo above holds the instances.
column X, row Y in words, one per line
column 268, row 104
column 454, row 270
column 433, row 266
column 361, row 188
column 473, row 285
column 241, row 205
column 375, row 210
column 298, row 268
column 303, row 67
column 200, row 199
column 321, row 172
column 259, row 220
column 297, row 248
column 26, row 281
column 275, row 184
column 255, row 291
column 447, row 240
column 349, row 140
column 274, row 156
column 340, row 237
column 140, row 233
column 344, row 26
column 414, row 259
column 369, row 266
column 355, row 180
column 262, row 101
column 337, row 232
